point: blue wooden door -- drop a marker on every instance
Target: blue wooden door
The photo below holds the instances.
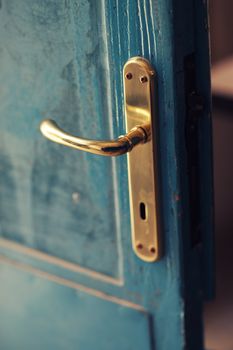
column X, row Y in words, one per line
column 68, row 276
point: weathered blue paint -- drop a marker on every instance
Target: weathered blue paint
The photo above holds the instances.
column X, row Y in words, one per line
column 69, row 278
column 65, row 318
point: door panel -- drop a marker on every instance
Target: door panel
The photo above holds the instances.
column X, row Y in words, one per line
column 57, row 202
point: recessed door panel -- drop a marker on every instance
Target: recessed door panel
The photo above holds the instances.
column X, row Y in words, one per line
column 54, row 63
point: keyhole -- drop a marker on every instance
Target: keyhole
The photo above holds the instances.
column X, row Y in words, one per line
column 142, row 209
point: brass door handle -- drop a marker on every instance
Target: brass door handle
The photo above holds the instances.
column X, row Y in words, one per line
column 140, row 94
column 137, row 135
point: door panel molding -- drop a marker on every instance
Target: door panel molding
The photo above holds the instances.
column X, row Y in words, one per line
column 16, row 251
column 71, row 284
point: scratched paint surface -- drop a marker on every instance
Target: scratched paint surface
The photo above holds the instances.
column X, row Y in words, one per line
column 63, row 60
column 54, row 63
column 55, row 199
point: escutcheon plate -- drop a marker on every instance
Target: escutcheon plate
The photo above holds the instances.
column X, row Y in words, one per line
column 139, row 94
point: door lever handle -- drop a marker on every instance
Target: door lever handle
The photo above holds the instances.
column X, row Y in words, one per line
column 123, row 144
column 140, row 94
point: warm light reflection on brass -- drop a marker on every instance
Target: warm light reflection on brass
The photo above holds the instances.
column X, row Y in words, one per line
column 139, row 96
column 139, row 91
column 124, row 144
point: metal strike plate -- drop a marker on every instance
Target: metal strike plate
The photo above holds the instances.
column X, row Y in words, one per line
column 139, row 95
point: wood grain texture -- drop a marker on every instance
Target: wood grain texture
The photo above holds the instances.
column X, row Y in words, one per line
column 64, row 60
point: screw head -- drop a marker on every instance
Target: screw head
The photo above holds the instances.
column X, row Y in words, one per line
column 139, row 246
column 152, row 250
column 129, row 75
column 143, row 79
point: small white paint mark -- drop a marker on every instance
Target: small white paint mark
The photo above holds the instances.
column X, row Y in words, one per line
column 75, row 197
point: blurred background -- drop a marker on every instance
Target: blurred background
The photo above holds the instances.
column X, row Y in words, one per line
column 219, row 313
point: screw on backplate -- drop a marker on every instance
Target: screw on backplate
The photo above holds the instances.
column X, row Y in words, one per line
column 139, row 246
column 129, row 75
column 152, row 250
column 143, row 79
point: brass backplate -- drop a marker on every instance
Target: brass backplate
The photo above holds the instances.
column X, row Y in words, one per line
column 139, row 94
